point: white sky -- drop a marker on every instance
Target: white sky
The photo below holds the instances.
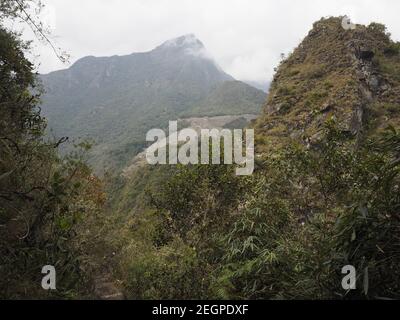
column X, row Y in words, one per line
column 246, row 37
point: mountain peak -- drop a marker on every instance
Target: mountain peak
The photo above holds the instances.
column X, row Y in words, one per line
column 186, row 41
column 187, row 44
column 345, row 74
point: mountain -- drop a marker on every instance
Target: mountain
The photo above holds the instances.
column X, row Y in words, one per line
column 324, row 195
column 116, row 100
column 351, row 76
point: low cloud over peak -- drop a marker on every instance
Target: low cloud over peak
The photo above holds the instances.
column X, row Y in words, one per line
column 245, row 38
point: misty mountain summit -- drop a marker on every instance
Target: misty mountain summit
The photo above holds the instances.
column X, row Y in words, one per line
column 187, row 44
column 117, row 99
column 190, row 55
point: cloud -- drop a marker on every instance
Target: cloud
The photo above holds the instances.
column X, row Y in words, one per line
column 246, row 38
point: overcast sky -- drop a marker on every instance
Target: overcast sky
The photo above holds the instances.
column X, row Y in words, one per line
column 245, row 37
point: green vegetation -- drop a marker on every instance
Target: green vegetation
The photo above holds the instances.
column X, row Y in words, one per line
column 285, row 232
column 316, row 211
column 325, row 192
column 115, row 101
column 44, row 199
column 324, row 195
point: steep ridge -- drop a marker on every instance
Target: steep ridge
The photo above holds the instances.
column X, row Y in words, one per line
column 349, row 74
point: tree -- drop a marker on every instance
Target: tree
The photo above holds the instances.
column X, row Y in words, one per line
column 43, row 197
column 314, row 211
column 28, row 12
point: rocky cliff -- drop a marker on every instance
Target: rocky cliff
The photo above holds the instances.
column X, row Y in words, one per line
column 351, row 75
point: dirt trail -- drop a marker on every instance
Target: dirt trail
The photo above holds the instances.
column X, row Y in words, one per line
column 106, row 289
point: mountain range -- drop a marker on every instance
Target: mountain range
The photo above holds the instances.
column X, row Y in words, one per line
column 116, row 100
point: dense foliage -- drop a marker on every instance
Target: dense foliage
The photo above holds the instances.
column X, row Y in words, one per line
column 43, row 197
column 286, row 232
column 325, row 193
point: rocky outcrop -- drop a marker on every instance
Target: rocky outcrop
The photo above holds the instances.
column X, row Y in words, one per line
column 333, row 73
